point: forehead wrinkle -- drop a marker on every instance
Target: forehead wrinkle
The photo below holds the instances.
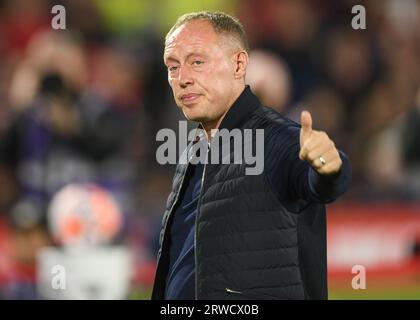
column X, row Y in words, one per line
column 189, row 46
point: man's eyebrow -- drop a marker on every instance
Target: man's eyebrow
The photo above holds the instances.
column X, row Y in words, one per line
column 172, row 59
column 195, row 54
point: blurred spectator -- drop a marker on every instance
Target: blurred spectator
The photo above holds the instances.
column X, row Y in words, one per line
column 269, row 79
column 329, row 113
column 289, row 29
column 411, row 147
column 55, row 141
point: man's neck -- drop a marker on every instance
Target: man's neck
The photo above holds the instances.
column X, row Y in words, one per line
column 214, row 125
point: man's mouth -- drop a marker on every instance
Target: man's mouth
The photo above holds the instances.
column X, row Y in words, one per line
column 189, row 98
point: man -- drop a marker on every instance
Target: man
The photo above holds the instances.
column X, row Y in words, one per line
column 228, row 235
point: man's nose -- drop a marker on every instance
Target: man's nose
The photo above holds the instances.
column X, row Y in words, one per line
column 185, row 77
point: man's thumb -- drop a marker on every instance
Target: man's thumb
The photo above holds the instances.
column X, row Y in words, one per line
column 306, row 123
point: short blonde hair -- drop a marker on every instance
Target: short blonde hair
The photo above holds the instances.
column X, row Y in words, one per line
column 221, row 22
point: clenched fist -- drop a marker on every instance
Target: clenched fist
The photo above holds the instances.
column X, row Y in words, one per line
column 317, row 148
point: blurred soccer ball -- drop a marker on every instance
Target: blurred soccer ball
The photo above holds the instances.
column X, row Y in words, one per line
column 83, row 214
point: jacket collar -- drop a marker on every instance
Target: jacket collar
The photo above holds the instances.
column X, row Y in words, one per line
column 241, row 109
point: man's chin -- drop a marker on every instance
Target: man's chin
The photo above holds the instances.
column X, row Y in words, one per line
column 192, row 116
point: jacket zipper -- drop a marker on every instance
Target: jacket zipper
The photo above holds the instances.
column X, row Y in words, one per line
column 233, row 291
column 172, row 208
column 196, row 224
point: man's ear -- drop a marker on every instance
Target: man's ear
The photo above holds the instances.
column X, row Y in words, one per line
column 241, row 63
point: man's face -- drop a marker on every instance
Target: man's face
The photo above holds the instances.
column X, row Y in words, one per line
column 201, row 71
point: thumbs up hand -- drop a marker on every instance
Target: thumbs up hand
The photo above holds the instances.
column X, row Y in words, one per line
column 317, row 148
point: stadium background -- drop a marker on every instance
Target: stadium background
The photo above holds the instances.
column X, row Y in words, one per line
column 84, row 106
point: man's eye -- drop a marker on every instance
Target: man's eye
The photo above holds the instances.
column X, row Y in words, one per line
column 198, row 62
column 172, row 69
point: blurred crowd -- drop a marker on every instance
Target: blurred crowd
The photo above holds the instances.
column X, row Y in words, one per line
column 83, row 105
